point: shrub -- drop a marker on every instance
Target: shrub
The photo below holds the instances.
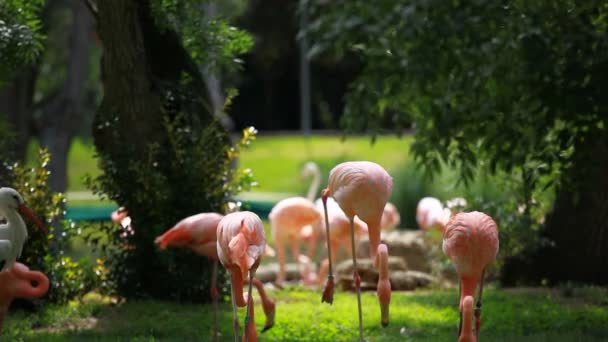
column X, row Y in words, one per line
column 47, row 251
column 192, row 174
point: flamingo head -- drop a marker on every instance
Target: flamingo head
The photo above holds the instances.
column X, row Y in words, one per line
column 11, row 199
column 310, row 169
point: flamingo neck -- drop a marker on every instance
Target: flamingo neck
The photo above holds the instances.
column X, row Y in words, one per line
column 236, row 277
column 467, row 323
column 250, row 334
column 15, row 221
column 373, row 228
column 469, row 284
column 314, row 187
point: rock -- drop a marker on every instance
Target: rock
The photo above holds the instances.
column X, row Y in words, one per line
column 410, row 280
column 409, row 245
column 268, row 273
column 367, row 271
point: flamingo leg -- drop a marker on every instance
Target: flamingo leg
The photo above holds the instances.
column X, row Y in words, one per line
column 478, row 305
column 215, row 296
column 249, row 301
column 281, row 259
column 235, row 316
column 295, row 252
column 328, row 292
column 459, row 308
column 356, row 277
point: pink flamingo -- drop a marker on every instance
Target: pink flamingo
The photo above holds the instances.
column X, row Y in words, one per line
column 199, row 234
column 390, row 217
column 471, row 241
column 16, row 282
column 241, row 241
column 467, row 313
column 361, row 188
column 287, row 218
column 428, row 210
column 339, row 232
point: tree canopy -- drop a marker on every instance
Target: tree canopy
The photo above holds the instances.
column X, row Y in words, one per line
column 511, row 86
column 20, row 37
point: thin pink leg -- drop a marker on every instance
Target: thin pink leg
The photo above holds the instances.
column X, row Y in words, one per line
column 328, row 292
column 356, row 277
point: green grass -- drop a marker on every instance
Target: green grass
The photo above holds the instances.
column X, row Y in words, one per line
column 275, row 160
column 509, row 315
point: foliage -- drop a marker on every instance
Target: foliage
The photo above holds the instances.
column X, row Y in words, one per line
column 418, row 316
column 211, row 41
column 46, row 251
column 196, row 181
column 20, row 36
column 509, row 88
column 6, row 148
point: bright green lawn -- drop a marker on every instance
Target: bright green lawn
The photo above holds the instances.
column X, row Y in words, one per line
column 509, row 315
column 275, row 160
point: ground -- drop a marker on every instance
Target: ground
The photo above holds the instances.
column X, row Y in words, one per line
column 509, row 315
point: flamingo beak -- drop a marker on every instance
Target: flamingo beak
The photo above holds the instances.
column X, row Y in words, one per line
column 27, row 212
column 384, row 314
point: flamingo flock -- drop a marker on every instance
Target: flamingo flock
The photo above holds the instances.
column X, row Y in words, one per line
column 355, row 203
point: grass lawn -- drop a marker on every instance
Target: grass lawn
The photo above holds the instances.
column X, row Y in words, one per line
column 275, row 160
column 509, row 315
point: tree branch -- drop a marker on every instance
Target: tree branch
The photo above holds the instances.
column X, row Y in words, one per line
column 92, row 6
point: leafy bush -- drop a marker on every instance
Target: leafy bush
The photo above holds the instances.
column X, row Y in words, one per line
column 195, row 176
column 501, row 196
column 47, row 251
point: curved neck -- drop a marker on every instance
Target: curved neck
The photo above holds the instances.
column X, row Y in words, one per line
column 314, row 186
column 15, row 221
column 467, row 324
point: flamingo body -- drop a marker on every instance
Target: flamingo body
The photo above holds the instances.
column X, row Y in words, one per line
column 390, row 217
column 470, row 240
column 196, row 232
column 362, row 189
column 287, row 219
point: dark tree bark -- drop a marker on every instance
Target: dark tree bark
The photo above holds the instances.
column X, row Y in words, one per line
column 16, row 103
column 63, row 115
column 575, row 237
column 150, row 83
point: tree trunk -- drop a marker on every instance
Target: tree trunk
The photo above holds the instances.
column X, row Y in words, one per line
column 151, row 84
column 63, row 115
column 16, row 103
column 575, row 237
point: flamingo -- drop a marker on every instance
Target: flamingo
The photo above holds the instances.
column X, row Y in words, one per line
column 287, row 219
column 16, row 282
column 311, row 169
column 471, row 242
column 199, row 234
column 241, row 241
column 310, row 233
column 427, row 210
column 467, row 314
column 339, row 231
column 361, row 188
column 13, row 234
column 390, row 217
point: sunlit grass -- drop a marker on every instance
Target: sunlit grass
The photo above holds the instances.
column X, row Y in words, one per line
column 275, row 160
column 508, row 315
